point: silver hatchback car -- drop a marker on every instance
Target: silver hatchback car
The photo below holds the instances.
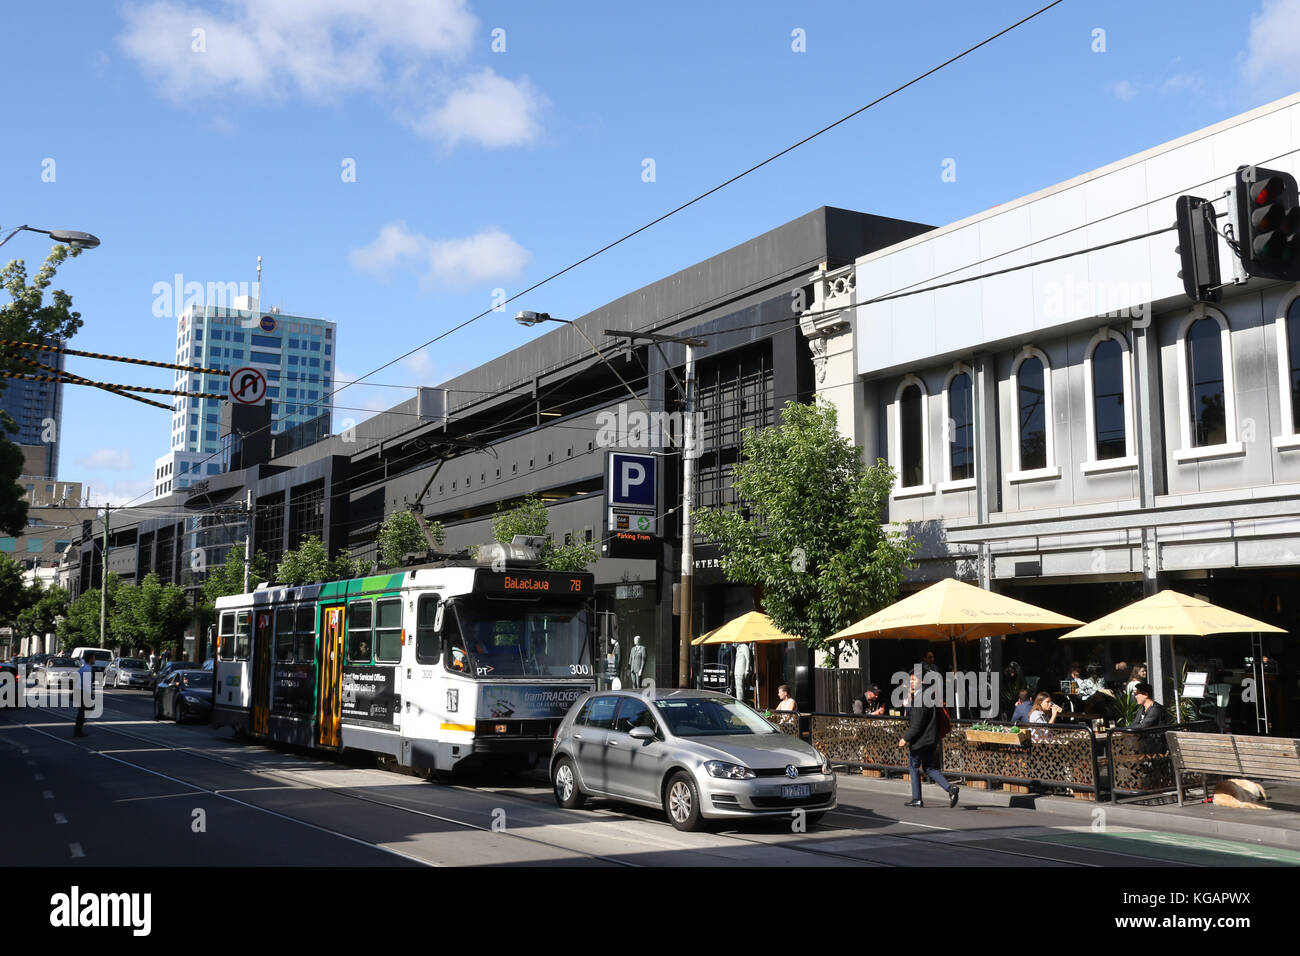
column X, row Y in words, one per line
column 695, row 754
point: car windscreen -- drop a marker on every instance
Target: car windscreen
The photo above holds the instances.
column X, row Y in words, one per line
column 131, row 663
column 198, row 680
column 62, row 662
column 710, row 717
column 521, row 638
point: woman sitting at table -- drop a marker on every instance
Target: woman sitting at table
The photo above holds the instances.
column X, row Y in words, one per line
column 1136, row 676
column 1044, row 711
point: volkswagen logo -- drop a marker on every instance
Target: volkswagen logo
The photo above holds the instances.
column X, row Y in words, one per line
column 790, row 771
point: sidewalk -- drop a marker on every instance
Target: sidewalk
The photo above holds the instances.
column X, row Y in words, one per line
column 1277, row 827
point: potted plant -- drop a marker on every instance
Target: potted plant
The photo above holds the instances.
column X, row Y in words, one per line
column 997, row 734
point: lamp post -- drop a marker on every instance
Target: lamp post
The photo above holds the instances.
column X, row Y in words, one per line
column 78, row 240
column 686, row 597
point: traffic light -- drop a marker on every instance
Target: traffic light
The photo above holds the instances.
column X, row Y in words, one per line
column 1268, row 223
column 1198, row 249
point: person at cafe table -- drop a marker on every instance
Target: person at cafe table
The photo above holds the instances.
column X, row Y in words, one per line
column 870, row 703
column 1151, row 713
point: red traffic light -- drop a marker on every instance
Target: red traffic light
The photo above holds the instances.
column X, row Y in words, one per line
column 1267, row 190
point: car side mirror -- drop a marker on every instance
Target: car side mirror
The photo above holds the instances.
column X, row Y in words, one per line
column 642, row 733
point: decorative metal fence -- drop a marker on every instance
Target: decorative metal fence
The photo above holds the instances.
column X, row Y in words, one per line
column 1139, row 762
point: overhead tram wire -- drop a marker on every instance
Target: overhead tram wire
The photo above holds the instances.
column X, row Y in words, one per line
column 704, row 195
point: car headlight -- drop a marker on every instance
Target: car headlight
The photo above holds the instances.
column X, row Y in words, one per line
column 826, row 764
column 729, row 771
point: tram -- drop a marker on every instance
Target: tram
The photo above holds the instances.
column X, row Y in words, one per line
column 431, row 666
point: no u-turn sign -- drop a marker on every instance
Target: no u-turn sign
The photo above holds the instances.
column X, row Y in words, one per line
column 247, row 385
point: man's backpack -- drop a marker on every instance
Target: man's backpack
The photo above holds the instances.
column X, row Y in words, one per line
column 945, row 723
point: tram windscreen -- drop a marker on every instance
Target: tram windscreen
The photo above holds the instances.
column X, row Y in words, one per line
column 507, row 639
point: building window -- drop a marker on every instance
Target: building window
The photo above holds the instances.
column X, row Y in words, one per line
column 909, row 450
column 1031, row 419
column 1108, row 379
column 1288, row 360
column 1205, row 381
column 959, row 413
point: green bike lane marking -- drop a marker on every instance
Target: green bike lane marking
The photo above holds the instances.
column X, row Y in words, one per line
column 1181, row 847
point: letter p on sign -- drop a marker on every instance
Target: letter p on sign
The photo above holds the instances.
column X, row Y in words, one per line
column 631, row 480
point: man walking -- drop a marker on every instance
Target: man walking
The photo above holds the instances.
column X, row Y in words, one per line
column 85, row 687
column 922, row 741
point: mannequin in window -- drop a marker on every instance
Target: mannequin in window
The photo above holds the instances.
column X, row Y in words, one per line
column 636, row 661
column 744, row 664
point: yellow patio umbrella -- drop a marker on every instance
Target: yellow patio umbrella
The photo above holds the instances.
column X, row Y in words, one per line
column 1172, row 614
column 954, row 611
column 754, row 627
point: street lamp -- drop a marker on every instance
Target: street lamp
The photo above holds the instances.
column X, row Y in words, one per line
column 78, row 240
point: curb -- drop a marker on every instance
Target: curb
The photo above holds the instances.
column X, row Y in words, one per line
column 1082, row 810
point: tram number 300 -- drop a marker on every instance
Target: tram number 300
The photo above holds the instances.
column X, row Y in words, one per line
column 580, row 669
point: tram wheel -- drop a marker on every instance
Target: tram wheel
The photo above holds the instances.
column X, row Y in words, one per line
column 564, row 783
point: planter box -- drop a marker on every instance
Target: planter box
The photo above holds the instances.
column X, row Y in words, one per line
column 995, row 737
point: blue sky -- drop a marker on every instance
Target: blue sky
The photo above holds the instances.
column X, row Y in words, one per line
column 475, row 170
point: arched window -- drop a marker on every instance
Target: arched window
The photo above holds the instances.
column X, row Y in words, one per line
column 1291, row 383
column 911, row 437
column 961, row 427
column 1031, row 412
column 1110, row 417
column 1207, row 394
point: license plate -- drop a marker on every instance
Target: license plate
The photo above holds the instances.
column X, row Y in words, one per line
column 796, row 790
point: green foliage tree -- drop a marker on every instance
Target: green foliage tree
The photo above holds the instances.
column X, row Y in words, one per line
column 808, row 527
column 151, row 614
column 346, row 566
column 529, row 517
column 13, row 591
column 304, row 564
column 401, row 534
column 44, row 606
column 28, row 317
column 228, row 578
column 80, row 624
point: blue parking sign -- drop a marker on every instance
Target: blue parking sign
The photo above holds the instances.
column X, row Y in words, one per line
column 631, row 480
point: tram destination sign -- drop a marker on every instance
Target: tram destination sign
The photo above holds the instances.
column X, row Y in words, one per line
column 534, row 583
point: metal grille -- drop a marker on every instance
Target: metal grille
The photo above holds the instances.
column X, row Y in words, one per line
column 270, row 528
column 306, row 512
column 734, row 392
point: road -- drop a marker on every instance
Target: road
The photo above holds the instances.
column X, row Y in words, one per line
column 141, row 792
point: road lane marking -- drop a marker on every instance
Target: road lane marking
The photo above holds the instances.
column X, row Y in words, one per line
column 76, row 850
column 47, row 794
column 38, row 776
column 59, row 818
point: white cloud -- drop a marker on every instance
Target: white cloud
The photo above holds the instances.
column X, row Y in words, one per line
column 270, row 47
column 1123, row 90
column 489, row 255
column 1270, row 62
column 107, row 459
column 1180, row 83
column 486, row 109
column 134, row 490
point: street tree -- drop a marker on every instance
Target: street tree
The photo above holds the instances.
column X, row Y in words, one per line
column 13, row 591
column 530, row 518
column 304, row 564
column 400, row 534
column 151, row 614
column 45, row 604
column 807, row 527
column 80, row 624
column 28, row 317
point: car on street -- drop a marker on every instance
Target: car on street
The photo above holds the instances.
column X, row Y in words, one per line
column 15, row 671
column 184, row 695
column 697, row 755
column 57, row 672
column 128, row 672
column 166, row 669
column 98, row 657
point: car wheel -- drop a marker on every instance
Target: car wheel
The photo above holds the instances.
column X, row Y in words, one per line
column 564, row 782
column 682, row 802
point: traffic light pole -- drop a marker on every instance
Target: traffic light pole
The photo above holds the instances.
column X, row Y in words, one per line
column 688, row 538
column 103, row 581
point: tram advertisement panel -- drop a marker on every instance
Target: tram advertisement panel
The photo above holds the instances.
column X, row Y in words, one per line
column 368, row 696
column 293, row 689
column 512, row 700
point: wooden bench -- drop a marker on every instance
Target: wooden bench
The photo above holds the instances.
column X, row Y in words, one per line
column 1229, row 755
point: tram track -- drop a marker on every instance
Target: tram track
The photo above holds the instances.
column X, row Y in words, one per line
column 289, row 777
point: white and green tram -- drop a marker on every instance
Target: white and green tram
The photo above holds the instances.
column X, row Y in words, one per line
column 431, row 665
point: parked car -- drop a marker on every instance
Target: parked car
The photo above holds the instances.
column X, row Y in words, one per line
column 128, row 672
column 694, row 754
column 57, row 672
column 182, row 695
column 14, row 670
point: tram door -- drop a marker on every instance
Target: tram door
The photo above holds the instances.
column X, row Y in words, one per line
column 261, row 689
column 328, row 693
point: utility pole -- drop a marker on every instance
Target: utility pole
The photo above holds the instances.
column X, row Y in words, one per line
column 248, row 538
column 103, row 580
column 688, row 538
